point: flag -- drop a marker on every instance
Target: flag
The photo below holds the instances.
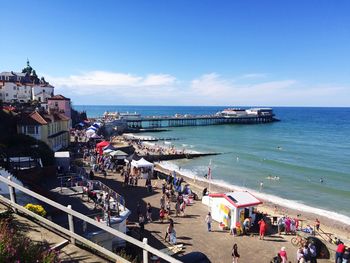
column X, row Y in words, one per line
column 209, row 170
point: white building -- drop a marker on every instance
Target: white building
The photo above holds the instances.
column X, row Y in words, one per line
column 15, row 91
column 41, row 92
column 24, row 87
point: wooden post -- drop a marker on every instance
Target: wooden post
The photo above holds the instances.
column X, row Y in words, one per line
column 71, row 225
column 12, row 193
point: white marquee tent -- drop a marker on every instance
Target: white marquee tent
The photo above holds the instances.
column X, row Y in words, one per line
column 145, row 167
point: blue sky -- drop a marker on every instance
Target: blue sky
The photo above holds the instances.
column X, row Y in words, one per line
column 194, row 52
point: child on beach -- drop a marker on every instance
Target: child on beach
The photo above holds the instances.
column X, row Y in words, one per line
column 235, row 254
column 208, row 220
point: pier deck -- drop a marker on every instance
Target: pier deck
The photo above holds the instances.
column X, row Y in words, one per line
column 197, row 120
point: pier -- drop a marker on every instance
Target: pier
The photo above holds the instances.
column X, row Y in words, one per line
column 198, row 120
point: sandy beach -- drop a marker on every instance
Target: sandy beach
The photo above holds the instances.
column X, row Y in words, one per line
column 339, row 229
column 192, row 232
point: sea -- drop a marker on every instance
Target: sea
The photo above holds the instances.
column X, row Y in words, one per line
column 301, row 162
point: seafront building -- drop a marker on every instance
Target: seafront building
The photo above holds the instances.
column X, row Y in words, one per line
column 61, row 104
column 24, row 87
column 41, row 114
column 53, row 128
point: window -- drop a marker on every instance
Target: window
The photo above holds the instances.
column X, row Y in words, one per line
column 15, row 96
column 30, row 129
column 14, row 87
column 7, row 94
column 56, row 104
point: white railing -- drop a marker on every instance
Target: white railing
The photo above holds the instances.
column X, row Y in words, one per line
column 73, row 236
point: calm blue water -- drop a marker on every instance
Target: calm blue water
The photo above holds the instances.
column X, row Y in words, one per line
column 307, row 145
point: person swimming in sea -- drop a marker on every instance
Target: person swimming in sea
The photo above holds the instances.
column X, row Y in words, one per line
column 321, row 180
column 261, row 185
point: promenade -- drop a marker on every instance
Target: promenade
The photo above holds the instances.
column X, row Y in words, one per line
column 191, row 229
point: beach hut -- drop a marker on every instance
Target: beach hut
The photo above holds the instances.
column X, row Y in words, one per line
column 231, row 208
column 145, row 168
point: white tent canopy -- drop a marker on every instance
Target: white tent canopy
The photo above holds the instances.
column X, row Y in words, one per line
column 118, row 154
column 145, row 167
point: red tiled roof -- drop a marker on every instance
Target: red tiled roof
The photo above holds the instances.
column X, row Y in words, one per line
column 33, row 118
column 58, row 97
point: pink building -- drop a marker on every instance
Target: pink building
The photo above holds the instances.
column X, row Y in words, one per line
column 60, row 104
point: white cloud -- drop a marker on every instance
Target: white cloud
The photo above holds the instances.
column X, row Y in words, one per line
column 100, row 87
column 254, row 76
column 105, row 78
column 158, row 80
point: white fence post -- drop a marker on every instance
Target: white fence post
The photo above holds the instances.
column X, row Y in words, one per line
column 12, row 193
column 71, row 225
column 145, row 252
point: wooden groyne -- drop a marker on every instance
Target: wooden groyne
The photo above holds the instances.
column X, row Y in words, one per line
column 169, row 157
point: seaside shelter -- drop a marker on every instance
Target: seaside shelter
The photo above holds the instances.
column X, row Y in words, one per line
column 231, row 208
column 144, row 167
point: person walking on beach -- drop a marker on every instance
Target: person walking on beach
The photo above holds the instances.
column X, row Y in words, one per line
column 235, row 254
column 317, row 224
column 208, row 220
column 149, row 212
column 313, row 253
column 141, row 225
column 169, row 229
column 262, row 229
column 283, row 255
column 339, row 253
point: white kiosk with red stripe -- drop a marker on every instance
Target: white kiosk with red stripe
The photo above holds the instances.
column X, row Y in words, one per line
column 231, row 208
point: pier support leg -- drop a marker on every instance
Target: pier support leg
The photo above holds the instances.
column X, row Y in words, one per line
column 71, row 225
